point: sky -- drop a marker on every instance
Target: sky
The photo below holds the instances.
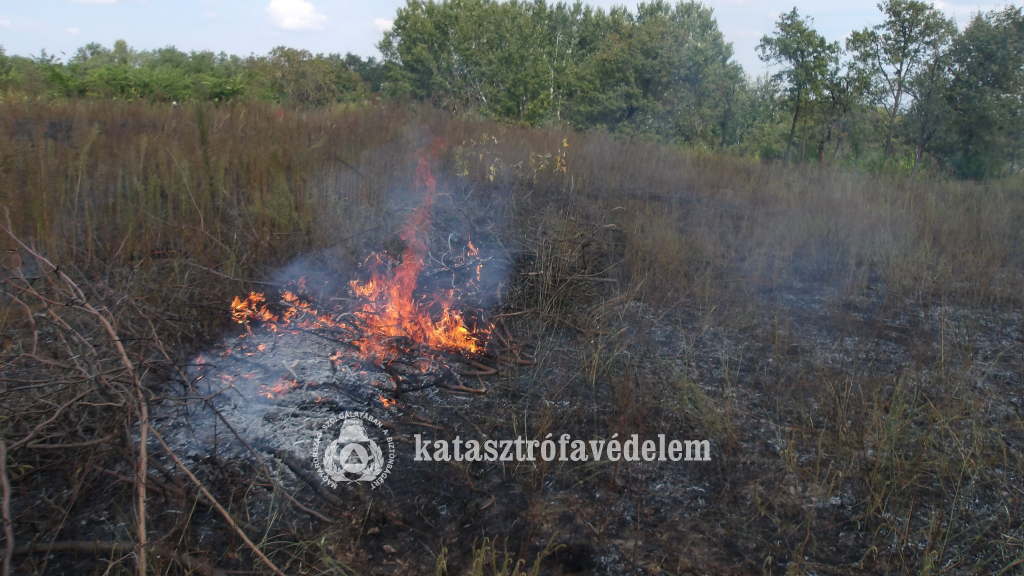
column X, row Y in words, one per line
column 256, row 26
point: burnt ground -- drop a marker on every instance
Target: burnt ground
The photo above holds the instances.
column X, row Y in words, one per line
column 850, row 435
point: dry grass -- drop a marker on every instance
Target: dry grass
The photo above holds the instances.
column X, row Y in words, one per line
column 765, row 271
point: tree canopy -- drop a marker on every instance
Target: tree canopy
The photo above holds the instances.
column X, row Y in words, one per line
column 911, row 93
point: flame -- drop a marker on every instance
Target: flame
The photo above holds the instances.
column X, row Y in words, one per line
column 390, row 310
column 388, row 318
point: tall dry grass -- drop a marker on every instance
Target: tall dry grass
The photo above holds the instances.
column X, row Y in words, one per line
column 242, row 189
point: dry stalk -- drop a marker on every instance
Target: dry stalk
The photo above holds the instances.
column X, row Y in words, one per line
column 78, row 294
column 5, row 484
column 216, row 504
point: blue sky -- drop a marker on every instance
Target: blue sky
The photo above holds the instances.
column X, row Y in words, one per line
column 255, row 26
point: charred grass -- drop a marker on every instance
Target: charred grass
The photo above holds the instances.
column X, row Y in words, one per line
column 851, row 346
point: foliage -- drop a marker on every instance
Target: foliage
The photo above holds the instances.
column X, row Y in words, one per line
column 662, row 72
column 895, row 51
column 809, row 65
column 299, row 77
column 985, row 94
column 907, row 95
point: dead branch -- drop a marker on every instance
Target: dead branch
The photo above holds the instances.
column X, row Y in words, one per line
column 301, row 473
column 216, row 504
column 8, row 528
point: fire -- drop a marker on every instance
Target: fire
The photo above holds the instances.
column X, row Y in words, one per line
column 390, row 310
column 389, row 318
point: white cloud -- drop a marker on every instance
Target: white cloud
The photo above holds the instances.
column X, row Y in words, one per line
column 383, row 24
column 73, row 31
column 295, row 15
column 95, row 1
column 5, row 23
column 209, row 15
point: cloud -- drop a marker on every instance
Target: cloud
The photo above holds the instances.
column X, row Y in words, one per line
column 383, row 24
column 209, row 15
column 295, row 15
column 95, row 1
column 5, row 23
column 73, row 31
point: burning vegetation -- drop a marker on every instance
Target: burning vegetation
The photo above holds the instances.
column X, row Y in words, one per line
column 419, row 335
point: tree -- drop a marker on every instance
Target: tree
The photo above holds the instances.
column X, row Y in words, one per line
column 807, row 57
column 895, row 51
column 842, row 89
column 288, row 74
column 6, row 69
column 986, row 93
column 929, row 112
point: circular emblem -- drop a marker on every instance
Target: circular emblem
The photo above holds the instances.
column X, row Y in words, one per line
column 354, row 456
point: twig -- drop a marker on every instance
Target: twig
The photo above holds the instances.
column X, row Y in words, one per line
column 484, row 370
column 71, row 445
column 216, row 504
column 301, row 473
column 143, row 454
column 209, row 404
column 5, row 484
column 222, row 275
column 48, row 421
column 266, row 471
column 460, row 388
column 507, row 314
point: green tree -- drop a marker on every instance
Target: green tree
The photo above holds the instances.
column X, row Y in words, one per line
column 806, row 58
column 6, row 70
column 842, row 88
column 986, row 93
column 288, row 74
column 929, row 111
column 895, row 51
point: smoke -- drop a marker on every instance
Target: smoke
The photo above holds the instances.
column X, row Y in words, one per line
column 294, row 359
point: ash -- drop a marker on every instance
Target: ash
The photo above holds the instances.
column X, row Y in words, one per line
column 274, row 389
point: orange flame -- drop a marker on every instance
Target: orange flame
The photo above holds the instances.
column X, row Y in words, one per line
column 387, row 309
column 391, row 310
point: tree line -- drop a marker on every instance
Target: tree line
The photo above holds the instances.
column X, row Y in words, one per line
column 912, row 93
column 285, row 75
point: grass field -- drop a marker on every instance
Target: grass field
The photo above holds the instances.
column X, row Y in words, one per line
column 851, row 345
